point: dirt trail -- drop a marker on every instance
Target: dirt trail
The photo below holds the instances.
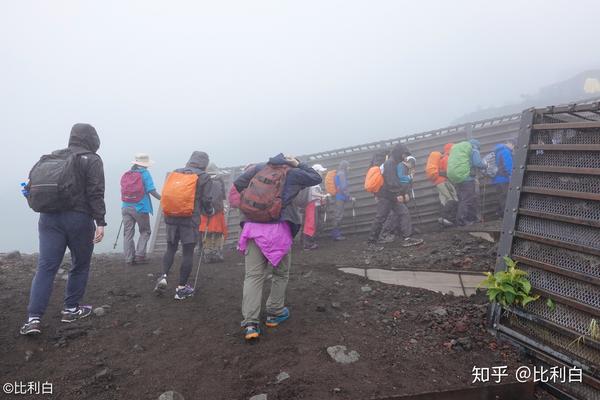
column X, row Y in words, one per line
column 409, row 340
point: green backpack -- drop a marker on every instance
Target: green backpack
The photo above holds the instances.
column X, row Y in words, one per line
column 459, row 162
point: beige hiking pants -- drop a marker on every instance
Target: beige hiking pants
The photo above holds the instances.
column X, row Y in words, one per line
column 447, row 192
column 257, row 269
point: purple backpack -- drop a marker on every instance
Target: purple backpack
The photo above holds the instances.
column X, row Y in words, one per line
column 132, row 187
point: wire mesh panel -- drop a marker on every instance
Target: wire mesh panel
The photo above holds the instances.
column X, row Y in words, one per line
column 553, row 230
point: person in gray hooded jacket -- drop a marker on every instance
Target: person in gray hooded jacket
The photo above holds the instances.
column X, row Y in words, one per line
column 186, row 229
column 73, row 228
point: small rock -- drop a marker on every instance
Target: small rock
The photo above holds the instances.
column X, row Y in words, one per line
column 106, row 307
column 100, row 311
column 136, row 372
column 461, row 327
column 13, row 256
column 157, row 332
column 413, row 341
column 341, row 355
column 150, row 275
column 320, row 308
column 465, row 343
column 337, row 390
column 28, row 355
column 307, row 274
column 441, row 311
column 138, row 348
column 365, row 289
column 171, row 395
column 261, row 396
column 335, row 304
column 103, row 374
column 282, row 377
column 346, row 315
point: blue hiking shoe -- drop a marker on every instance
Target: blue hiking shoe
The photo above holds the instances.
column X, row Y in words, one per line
column 274, row 320
column 184, row 292
column 251, row 332
column 79, row 312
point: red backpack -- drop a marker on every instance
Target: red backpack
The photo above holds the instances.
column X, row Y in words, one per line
column 132, row 187
column 261, row 200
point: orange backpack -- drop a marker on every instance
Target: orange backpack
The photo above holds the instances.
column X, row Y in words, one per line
column 374, row 179
column 179, row 194
column 330, row 182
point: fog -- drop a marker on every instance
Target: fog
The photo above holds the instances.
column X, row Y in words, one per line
column 248, row 79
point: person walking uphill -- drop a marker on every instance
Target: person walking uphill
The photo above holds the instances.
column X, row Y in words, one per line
column 136, row 187
column 436, row 171
column 185, row 196
column 67, row 189
column 340, row 189
column 271, row 222
column 315, row 199
column 504, row 163
column 393, row 197
column 463, row 163
column 214, row 227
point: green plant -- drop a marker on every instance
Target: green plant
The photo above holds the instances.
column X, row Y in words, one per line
column 593, row 331
column 510, row 287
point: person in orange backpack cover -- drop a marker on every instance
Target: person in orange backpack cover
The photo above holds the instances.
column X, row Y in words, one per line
column 435, row 169
column 185, row 196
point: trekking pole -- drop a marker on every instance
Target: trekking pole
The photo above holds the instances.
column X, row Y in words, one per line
column 354, row 214
column 201, row 252
column 118, row 234
column 412, row 191
column 483, row 205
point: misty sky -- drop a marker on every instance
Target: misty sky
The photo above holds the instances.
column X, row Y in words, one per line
column 247, row 79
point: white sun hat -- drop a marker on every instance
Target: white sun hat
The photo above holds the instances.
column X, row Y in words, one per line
column 319, row 168
column 143, row 160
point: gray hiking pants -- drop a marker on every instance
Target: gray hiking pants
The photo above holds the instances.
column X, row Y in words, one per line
column 257, row 269
column 400, row 210
column 130, row 218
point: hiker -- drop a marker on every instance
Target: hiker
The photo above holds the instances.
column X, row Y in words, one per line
column 214, row 228
column 136, row 187
column 463, row 164
column 435, row 170
column 67, row 189
column 504, row 164
column 393, row 197
column 186, row 194
column 337, row 185
column 269, row 224
column 373, row 183
column 316, row 198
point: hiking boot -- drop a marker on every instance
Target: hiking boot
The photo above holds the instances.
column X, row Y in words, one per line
column 274, row 320
column 79, row 313
column 312, row 246
column 130, row 263
column 161, row 285
column 387, row 239
column 31, row 327
column 408, row 242
column 184, row 292
column 251, row 332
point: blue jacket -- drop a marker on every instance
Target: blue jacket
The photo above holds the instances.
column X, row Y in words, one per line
column 296, row 180
column 476, row 161
column 341, row 182
column 504, row 162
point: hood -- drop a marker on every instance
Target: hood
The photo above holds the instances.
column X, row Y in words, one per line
column 198, row 159
column 379, row 158
column 344, row 165
column 279, row 159
column 475, row 144
column 84, row 136
column 399, row 152
column 448, row 147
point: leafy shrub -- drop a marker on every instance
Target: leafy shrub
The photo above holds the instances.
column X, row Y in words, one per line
column 510, row 287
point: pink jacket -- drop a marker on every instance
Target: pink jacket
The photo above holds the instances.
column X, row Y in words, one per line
column 274, row 240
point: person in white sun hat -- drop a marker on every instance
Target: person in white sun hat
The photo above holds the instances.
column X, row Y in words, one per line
column 136, row 187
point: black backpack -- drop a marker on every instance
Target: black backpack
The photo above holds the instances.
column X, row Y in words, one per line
column 53, row 182
column 217, row 193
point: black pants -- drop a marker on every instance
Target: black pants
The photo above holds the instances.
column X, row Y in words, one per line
column 502, row 190
column 384, row 208
column 468, row 203
column 187, row 260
